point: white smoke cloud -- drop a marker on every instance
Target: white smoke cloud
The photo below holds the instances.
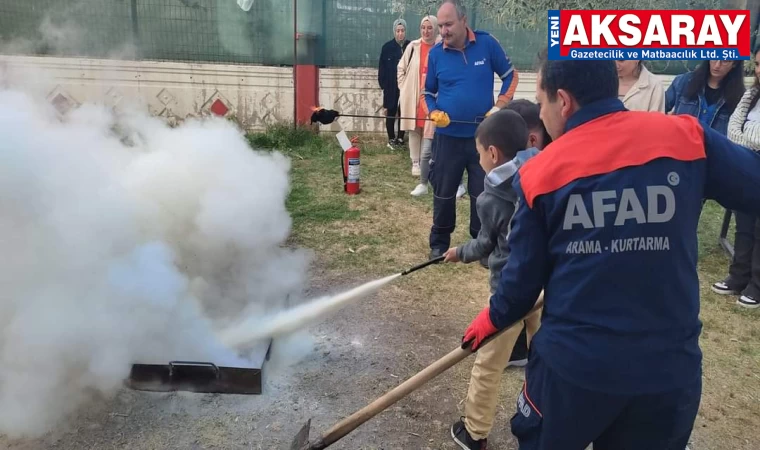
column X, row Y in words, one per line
column 124, row 240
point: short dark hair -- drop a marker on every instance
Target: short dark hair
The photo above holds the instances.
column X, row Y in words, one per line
column 531, row 113
column 506, row 130
column 586, row 81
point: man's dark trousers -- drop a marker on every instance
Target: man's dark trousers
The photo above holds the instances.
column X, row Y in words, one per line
column 450, row 157
column 555, row 414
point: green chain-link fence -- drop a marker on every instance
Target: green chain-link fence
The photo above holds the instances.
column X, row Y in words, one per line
column 333, row 33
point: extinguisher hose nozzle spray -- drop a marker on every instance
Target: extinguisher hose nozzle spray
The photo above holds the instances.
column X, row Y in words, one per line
column 254, row 328
column 423, row 265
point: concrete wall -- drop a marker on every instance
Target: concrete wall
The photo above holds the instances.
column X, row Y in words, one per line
column 256, row 96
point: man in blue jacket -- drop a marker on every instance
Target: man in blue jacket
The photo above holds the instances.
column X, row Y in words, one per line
column 606, row 226
column 459, row 86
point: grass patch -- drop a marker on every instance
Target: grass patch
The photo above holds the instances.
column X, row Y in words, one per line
column 306, row 208
column 313, row 157
column 381, row 230
column 384, row 230
column 285, row 137
column 730, row 343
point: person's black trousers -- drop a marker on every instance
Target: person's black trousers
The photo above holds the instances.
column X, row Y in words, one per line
column 392, row 121
column 744, row 272
column 391, row 104
column 451, row 157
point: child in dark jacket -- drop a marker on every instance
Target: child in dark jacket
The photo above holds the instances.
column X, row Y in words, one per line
column 501, row 140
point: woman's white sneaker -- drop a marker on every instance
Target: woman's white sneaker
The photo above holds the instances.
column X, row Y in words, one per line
column 421, row 189
column 415, row 169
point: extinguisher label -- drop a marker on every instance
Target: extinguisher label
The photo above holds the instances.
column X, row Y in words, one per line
column 353, row 169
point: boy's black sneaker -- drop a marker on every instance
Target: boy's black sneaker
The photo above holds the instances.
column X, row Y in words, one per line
column 462, row 437
column 436, row 253
column 517, row 361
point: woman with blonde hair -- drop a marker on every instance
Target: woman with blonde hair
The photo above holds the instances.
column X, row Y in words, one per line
column 411, row 73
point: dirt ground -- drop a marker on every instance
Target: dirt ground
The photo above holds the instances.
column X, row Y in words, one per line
column 347, row 361
column 352, row 361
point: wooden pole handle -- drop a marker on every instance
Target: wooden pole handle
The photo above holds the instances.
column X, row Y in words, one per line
column 353, row 421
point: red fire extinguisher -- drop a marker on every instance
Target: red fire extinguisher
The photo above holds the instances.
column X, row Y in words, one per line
column 351, row 166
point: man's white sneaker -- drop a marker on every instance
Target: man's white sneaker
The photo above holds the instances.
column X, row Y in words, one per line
column 461, row 191
column 421, row 189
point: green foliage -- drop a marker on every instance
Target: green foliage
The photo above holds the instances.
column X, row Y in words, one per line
column 285, row 137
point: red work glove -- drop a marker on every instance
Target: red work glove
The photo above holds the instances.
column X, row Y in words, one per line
column 479, row 329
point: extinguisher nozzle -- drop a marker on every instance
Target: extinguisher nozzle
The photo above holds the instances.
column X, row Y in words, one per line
column 423, row 265
column 324, row 116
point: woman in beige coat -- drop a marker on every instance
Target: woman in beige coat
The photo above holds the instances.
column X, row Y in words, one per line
column 411, row 73
column 640, row 89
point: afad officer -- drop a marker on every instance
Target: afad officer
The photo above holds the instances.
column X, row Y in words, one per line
column 606, row 226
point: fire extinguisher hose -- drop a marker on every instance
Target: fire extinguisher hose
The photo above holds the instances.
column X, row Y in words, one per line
column 328, row 116
column 343, row 168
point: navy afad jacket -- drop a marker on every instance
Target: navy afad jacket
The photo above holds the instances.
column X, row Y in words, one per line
column 606, row 225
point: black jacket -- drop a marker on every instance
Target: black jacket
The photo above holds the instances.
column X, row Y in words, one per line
column 390, row 55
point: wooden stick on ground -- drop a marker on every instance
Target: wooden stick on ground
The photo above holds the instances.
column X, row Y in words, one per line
column 353, row 421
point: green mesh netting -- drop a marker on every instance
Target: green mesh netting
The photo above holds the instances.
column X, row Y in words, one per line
column 333, row 33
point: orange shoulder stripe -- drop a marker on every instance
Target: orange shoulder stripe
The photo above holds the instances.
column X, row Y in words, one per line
column 608, row 143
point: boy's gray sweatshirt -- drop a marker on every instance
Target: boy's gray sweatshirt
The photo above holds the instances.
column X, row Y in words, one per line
column 495, row 206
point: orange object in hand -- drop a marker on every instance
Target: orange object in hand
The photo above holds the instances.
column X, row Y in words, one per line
column 440, row 118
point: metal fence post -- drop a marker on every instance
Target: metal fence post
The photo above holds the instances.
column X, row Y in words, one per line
column 295, row 64
column 136, row 30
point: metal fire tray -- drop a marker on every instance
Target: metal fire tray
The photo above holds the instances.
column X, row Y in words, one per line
column 199, row 376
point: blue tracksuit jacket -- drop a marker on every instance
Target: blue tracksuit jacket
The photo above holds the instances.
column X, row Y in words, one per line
column 460, row 82
column 606, row 224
